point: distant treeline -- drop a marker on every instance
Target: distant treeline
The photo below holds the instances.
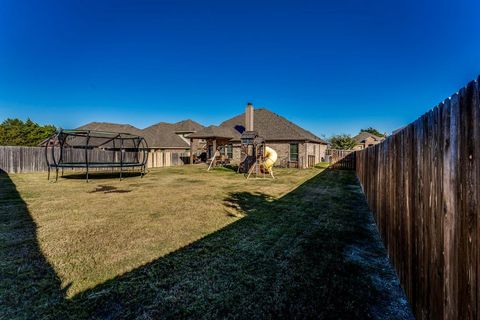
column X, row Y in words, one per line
column 15, row 132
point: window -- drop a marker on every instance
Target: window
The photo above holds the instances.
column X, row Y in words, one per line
column 230, row 151
column 294, row 152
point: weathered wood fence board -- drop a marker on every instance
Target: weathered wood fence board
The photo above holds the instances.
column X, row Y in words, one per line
column 32, row 159
column 341, row 159
column 423, row 186
column 22, row 159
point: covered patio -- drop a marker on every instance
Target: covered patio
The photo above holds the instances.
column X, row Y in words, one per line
column 213, row 138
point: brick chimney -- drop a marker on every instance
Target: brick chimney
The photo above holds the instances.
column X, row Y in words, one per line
column 249, row 117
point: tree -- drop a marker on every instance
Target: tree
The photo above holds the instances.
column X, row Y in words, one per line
column 373, row 131
column 342, row 142
column 15, row 132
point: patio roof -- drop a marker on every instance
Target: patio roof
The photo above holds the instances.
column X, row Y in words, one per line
column 214, row 132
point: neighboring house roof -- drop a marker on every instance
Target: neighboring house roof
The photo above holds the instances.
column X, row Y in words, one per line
column 163, row 137
column 106, row 127
column 160, row 135
column 111, row 127
column 215, row 132
column 362, row 136
column 271, row 126
column 163, row 134
column 187, row 126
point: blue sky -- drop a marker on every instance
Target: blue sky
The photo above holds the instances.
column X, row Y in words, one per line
column 330, row 66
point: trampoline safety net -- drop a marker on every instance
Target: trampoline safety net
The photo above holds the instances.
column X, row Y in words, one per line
column 89, row 149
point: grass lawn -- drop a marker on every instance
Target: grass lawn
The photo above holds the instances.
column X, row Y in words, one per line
column 183, row 242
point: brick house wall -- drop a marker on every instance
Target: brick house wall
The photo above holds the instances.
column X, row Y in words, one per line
column 197, row 145
column 283, row 152
column 323, row 151
column 236, row 153
column 282, row 149
column 317, row 150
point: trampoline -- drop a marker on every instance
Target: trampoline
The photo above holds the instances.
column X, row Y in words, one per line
column 89, row 149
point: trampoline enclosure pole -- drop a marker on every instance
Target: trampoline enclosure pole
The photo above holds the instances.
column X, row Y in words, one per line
column 121, row 157
column 86, row 152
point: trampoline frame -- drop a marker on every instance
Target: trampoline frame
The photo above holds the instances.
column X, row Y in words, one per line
column 58, row 141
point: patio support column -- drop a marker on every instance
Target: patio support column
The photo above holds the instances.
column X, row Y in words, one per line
column 305, row 161
column 191, row 151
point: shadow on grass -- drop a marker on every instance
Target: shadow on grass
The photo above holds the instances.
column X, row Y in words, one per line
column 28, row 283
column 287, row 258
column 225, row 167
column 96, row 175
column 108, row 189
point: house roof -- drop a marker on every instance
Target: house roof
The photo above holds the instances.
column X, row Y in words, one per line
column 163, row 134
column 215, row 132
column 187, row 126
column 268, row 124
column 163, row 137
column 112, row 127
column 106, row 127
column 271, row 126
column 160, row 135
column 362, row 136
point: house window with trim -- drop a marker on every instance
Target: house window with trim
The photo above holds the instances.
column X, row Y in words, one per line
column 294, row 152
column 230, row 151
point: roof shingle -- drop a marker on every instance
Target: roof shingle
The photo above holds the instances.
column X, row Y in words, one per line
column 187, row 126
column 215, row 132
column 163, row 134
column 272, row 126
column 111, row 127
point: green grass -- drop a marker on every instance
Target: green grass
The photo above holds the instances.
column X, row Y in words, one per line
column 183, row 242
column 322, row 165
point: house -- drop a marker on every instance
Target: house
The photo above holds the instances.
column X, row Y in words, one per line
column 365, row 140
column 166, row 142
column 172, row 136
column 295, row 146
column 205, row 141
column 162, row 135
column 177, row 143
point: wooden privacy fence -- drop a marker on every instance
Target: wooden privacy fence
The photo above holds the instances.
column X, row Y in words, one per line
column 423, row 186
column 22, row 159
column 163, row 158
column 341, row 159
column 32, row 159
